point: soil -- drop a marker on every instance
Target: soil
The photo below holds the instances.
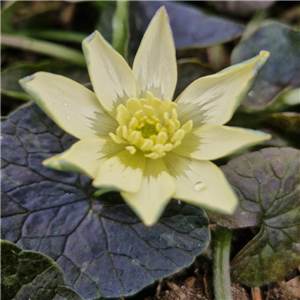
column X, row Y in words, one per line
column 195, row 283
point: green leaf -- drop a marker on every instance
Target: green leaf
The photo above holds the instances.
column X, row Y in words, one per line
column 9, row 77
column 285, row 100
column 191, row 27
column 120, row 28
column 57, row 35
column 267, row 183
column 43, row 47
column 250, row 117
column 7, row 13
column 282, row 68
column 31, row 275
column 103, row 248
column 287, row 125
column 105, row 20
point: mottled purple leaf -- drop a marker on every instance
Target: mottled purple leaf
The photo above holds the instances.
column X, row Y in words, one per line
column 267, row 183
column 283, row 67
column 101, row 245
column 190, row 26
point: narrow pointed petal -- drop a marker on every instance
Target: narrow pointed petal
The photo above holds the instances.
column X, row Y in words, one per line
column 124, row 172
column 154, row 66
column 70, row 105
column 213, row 99
column 211, row 142
column 112, row 79
column 84, row 156
column 201, row 183
column 155, row 192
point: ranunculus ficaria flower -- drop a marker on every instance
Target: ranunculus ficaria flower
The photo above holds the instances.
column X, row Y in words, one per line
column 132, row 137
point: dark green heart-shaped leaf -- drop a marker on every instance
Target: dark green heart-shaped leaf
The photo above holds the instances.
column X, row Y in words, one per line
column 287, row 125
column 249, row 116
column 10, row 77
column 285, row 100
column 100, row 244
column 31, row 275
column 191, row 27
column 282, row 68
column 268, row 186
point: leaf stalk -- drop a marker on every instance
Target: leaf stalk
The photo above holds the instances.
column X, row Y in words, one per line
column 221, row 267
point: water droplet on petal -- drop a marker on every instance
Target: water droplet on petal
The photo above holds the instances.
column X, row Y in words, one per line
column 65, row 104
column 68, row 118
column 200, row 186
column 60, row 92
column 55, row 110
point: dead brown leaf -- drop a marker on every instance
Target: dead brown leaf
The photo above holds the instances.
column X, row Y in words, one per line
column 291, row 288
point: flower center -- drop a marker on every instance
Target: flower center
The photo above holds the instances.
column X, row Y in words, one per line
column 149, row 125
column 147, row 129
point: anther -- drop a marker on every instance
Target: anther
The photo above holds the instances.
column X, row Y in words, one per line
column 178, row 135
column 131, row 149
column 134, row 136
column 187, row 126
column 158, row 148
column 133, row 105
column 117, row 139
column 162, row 137
column 147, row 145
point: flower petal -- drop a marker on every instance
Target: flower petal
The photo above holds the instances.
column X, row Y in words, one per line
column 201, row 183
column 84, row 156
column 112, row 79
column 154, row 66
column 155, row 192
column 213, row 99
column 71, row 106
column 214, row 141
column 123, row 171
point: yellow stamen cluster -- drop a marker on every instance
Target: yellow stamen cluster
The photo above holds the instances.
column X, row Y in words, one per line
column 149, row 125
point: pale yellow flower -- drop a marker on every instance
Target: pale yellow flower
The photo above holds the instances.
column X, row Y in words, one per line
column 134, row 138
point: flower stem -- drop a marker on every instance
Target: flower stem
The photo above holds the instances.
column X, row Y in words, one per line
column 221, row 268
column 120, row 28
